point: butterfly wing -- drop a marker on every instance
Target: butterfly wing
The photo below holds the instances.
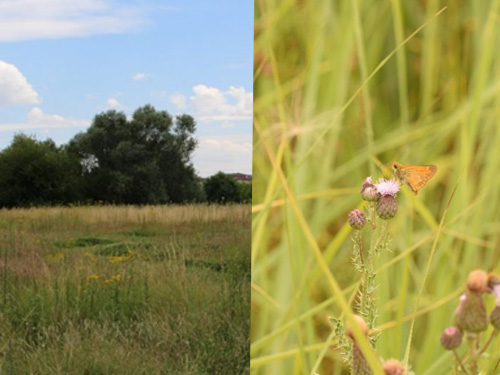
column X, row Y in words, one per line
column 416, row 176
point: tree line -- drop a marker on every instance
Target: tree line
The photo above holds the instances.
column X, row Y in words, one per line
column 144, row 160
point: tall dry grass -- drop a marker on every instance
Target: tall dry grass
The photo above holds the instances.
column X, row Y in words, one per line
column 125, row 290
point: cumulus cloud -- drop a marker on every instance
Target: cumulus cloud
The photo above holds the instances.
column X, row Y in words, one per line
column 113, row 103
column 212, row 104
column 228, row 153
column 37, row 119
column 139, row 76
column 178, row 100
column 35, row 19
column 14, row 87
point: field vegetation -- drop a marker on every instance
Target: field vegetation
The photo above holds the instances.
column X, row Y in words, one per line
column 125, row 290
column 342, row 89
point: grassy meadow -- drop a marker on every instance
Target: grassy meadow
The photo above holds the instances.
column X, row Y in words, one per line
column 125, row 290
column 342, row 89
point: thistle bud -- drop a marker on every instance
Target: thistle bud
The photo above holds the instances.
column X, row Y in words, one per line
column 393, row 367
column 451, row 338
column 361, row 323
column 369, row 191
column 357, row 219
column 495, row 317
column 387, row 207
column 471, row 315
column 359, row 364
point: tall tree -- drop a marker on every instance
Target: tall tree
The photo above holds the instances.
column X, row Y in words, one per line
column 37, row 173
column 144, row 160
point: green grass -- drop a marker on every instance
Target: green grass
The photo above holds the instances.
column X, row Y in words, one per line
column 125, row 290
column 341, row 90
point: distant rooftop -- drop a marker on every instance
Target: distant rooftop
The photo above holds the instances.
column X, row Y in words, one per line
column 241, row 177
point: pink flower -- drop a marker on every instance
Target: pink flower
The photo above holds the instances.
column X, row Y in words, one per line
column 387, row 187
column 495, row 290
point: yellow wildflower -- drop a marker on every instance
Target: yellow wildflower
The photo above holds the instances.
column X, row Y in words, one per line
column 56, row 258
column 113, row 279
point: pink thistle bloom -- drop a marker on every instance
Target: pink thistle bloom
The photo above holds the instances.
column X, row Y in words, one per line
column 387, row 187
column 495, row 290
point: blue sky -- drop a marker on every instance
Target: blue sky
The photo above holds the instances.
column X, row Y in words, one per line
column 62, row 62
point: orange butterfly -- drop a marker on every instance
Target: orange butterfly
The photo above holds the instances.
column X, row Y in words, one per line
column 414, row 176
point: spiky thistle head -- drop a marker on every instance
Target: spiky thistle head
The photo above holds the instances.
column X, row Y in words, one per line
column 357, row 219
column 369, row 191
column 387, row 206
column 471, row 315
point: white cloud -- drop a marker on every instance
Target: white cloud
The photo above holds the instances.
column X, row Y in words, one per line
column 14, row 87
column 178, row 100
column 35, row 19
column 139, row 76
column 37, row 119
column 227, row 125
column 113, row 103
column 228, row 153
column 212, row 104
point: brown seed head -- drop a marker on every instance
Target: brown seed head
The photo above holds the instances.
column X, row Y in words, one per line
column 393, row 367
column 477, row 281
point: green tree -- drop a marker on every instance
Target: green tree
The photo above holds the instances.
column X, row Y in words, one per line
column 37, row 173
column 221, row 188
column 245, row 191
column 144, row 160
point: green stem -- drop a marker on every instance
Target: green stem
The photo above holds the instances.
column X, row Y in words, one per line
column 367, row 302
column 492, row 336
column 381, row 238
column 360, row 247
column 472, row 339
column 460, row 362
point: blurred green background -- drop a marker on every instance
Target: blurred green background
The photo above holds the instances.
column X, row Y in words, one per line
column 341, row 89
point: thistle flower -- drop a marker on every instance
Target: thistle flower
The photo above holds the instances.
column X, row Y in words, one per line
column 387, row 187
column 393, row 367
column 369, row 191
column 357, row 219
column 451, row 338
column 359, row 364
column 387, row 206
column 494, row 286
